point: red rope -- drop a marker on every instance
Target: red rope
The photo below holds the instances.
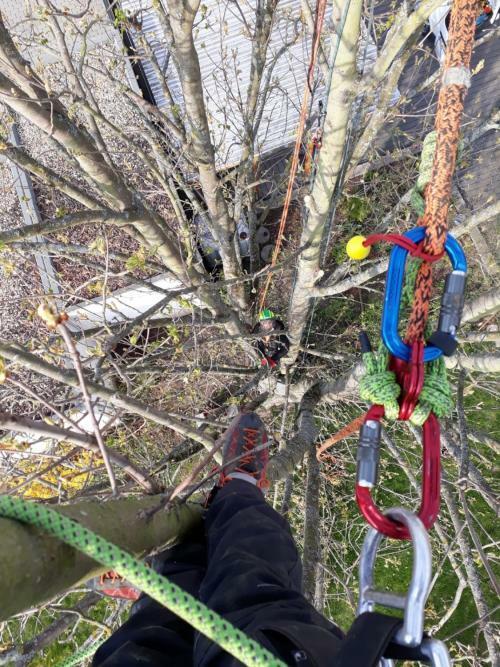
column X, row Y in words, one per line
column 415, row 249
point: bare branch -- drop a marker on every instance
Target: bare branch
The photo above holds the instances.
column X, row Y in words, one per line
column 47, row 175
column 52, row 225
column 365, row 275
column 179, row 24
column 40, row 429
column 23, row 655
column 472, row 574
column 312, row 528
column 482, row 363
column 75, row 356
column 18, row 354
column 482, row 306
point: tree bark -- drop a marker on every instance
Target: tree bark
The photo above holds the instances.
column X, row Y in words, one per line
column 312, row 527
column 37, row 567
column 482, row 306
column 328, row 170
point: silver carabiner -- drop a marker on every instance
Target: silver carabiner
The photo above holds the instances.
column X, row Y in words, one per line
column 413, row 603
column 437, row 652
column 434, row 649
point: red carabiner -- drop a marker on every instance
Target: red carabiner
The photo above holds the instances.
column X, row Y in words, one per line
column 431, row 478
column 410, row 377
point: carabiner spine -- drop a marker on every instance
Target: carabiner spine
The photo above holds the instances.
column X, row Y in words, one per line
column 431, row 486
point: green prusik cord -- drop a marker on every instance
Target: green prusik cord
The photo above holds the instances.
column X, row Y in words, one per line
column 424, row 173
column 82, row 654
column 200, row 617
column 379, row 386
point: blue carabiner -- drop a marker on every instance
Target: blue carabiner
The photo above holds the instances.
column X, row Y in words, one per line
column 393, row 289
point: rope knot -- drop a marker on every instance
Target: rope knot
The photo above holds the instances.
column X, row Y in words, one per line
column 379, row 385
column 414, row 249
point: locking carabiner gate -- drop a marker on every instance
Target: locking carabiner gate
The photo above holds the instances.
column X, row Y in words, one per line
column 368, row 456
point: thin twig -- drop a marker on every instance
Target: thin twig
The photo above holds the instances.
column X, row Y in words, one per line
column 22, row 385
column 64, row 331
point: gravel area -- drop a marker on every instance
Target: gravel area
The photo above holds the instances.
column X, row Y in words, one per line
column 20, row 286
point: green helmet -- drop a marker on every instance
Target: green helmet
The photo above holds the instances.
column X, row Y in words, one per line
column 266, row 314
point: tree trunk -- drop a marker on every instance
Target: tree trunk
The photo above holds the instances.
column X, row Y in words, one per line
column 312, row 527
column 34, row 567
column 329, row 164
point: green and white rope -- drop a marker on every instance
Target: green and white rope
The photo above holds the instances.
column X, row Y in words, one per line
column 379, row 386
column 82, row 654
column 424, row 173
column 200, row 617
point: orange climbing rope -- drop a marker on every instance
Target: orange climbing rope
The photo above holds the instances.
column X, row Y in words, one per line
column 316, row 40
column 454, row 84
column 350, row 429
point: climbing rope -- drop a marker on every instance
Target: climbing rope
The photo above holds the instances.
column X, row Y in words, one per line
column 350, row 429
column 400, row 385
column 379, row 386
column 454, row 84
column 82, row 654
column 200, row 617
column 318, row 26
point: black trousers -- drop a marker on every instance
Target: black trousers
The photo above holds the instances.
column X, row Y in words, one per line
column 245, row 566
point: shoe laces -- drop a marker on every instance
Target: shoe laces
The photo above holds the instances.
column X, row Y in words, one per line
column 250, row 442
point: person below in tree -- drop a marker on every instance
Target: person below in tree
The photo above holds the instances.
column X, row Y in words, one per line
column 272, row 348
column 241, row 562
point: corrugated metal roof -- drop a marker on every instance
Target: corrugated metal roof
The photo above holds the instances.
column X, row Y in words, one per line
column 224, row 48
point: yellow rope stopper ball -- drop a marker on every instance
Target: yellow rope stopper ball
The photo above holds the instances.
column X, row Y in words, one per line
column 355, row 248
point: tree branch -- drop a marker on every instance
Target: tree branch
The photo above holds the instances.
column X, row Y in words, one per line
column 481, row 363
column 179, row 22
column 40, row 429
column 312, row 528
column 47, row 175
column 363, row 276
column 54, row 225
column 328, row 171
column 472, row 574
column 18, row 354
column 24, row 654
column 58, row 567
column 483, row 305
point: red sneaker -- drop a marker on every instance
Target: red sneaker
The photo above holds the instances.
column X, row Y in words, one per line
column 113, row 585
column 245, row 449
